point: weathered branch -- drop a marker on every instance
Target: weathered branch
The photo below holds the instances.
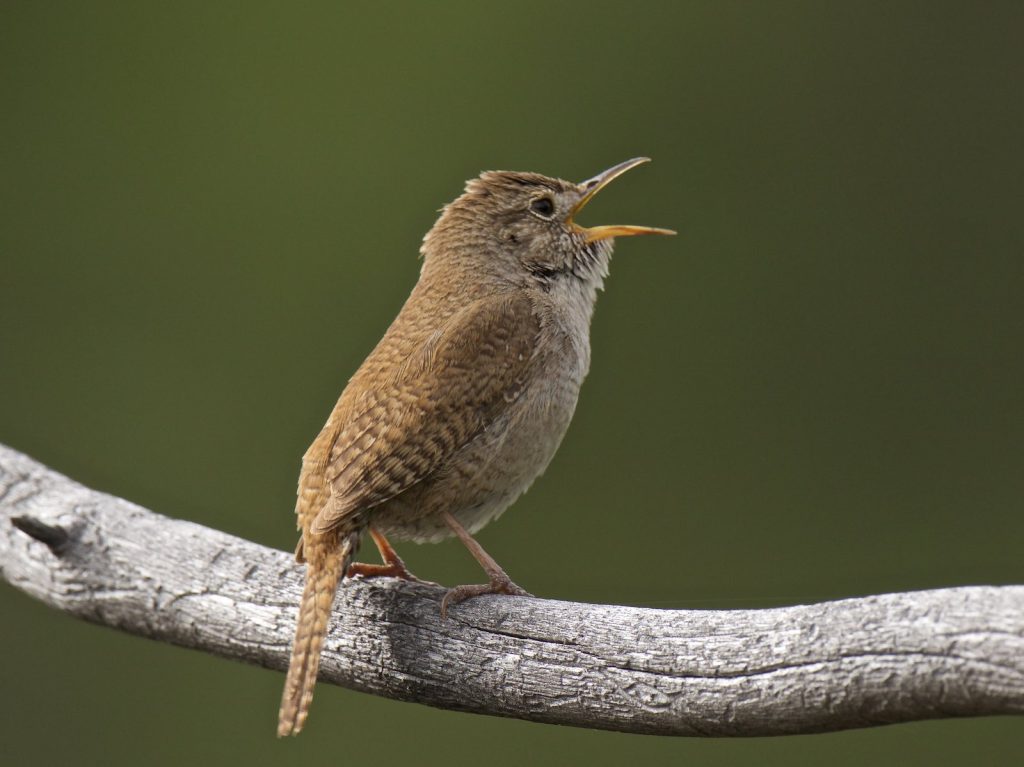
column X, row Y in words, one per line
column 850, row 663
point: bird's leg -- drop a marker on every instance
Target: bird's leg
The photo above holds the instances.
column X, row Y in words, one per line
column 500, row 582
column 393, row 565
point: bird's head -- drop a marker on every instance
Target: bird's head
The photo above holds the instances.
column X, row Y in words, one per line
column 521, row 228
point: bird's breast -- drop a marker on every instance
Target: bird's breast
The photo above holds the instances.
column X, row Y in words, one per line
column 488, row 474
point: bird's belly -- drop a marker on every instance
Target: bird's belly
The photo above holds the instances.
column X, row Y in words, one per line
column 489, row 474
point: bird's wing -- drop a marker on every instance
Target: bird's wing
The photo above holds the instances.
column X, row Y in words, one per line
column 450, row 388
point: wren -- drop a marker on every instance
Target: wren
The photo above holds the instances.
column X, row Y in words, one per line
column 463, row 402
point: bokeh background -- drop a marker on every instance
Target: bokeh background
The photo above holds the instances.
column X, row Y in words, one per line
column 211, row 211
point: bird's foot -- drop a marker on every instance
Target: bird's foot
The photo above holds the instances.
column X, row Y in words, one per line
column 500, row 584
column 393, row 569
column 393, row 566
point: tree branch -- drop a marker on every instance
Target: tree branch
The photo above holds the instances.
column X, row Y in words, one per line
column 809, row 668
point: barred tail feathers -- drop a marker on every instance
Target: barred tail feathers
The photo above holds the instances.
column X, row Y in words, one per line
column 328, row 557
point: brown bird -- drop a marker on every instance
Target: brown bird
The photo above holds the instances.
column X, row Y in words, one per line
column 464, row 401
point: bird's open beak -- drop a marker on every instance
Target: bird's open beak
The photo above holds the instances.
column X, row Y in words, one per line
column 594, row 185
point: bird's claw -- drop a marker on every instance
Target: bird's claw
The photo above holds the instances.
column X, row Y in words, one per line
column 498, row 585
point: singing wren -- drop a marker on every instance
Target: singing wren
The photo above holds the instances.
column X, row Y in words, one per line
column 463, row 402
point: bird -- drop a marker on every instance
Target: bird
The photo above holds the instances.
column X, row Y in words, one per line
column 463, row 402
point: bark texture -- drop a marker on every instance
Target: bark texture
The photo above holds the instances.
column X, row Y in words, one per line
column 807, row 668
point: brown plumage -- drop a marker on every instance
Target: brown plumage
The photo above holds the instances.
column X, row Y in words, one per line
column 464, row 401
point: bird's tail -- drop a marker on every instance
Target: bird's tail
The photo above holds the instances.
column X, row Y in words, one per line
column 327, row 558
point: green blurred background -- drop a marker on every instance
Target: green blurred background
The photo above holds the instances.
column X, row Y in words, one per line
column 211, row 211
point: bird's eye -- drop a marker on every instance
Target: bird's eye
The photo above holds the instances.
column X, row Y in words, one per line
column 543, row 207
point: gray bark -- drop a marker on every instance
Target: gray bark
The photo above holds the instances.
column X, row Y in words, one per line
column 808, row 668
